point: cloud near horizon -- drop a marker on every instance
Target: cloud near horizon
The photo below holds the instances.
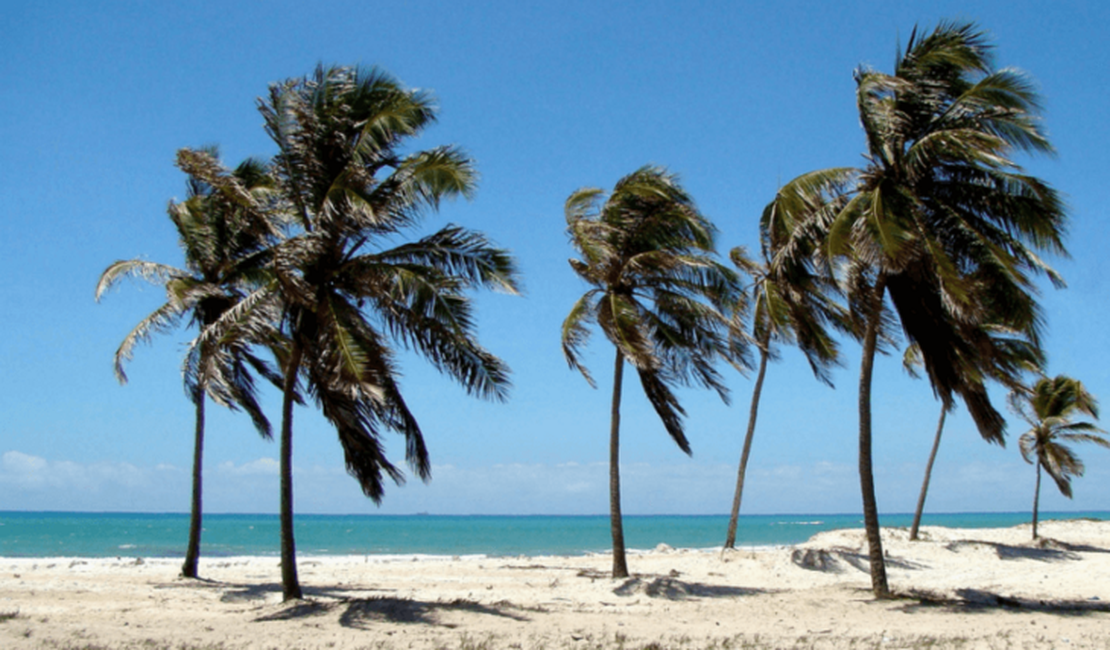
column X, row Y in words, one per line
column 34, row 483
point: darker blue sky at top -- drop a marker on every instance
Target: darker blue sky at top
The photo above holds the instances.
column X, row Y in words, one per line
column 735, row 97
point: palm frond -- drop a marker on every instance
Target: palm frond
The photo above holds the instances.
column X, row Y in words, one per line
column 576, row 333
column 159, row 321
column 666, row 406
column 152, row 272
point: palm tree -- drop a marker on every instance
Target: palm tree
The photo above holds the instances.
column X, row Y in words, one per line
column 345, row 294
column 791, row 302
column 223, row 233
column 1048, row 407
column 1007, row 356
column 942, row 221
column 658, row 295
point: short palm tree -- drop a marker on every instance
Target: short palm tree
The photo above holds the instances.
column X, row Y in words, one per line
column 1048, row 407
column 658, row 294
column 348, row 292
column 223, row 233
column 1007, row 356
column 792, row 303
column 939, row 214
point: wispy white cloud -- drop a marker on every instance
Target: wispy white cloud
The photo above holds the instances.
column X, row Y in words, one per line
column 30, row 482
column 260, row 467
column 23, row 471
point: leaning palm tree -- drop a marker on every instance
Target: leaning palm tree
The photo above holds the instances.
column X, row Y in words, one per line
column 223, row 232
column 658, row 294
column 1048, row 407
column 348, row 292
column 1008, row 356
column 940, row 213
column 792, row 303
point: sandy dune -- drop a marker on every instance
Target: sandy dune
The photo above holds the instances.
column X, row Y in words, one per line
column 960, row 588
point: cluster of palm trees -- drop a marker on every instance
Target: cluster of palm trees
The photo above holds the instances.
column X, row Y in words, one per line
column 938, row 234
column 294, row 255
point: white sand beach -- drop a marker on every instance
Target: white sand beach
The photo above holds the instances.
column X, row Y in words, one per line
column 988, row 588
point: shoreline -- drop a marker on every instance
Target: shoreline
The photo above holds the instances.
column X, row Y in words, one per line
column 39, row 535
column 987, row 587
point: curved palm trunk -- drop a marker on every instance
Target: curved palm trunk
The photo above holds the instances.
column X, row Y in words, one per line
column 616, row 525
column 291, row 586
column 866, row 478
column 192, row 552
column 1036, row 498
column 734, row 518
column 928, row 475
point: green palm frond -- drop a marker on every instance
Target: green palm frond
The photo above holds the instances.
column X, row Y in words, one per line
column 666, row 406
column 462, row 254
column 576, row 332
column 621, row 320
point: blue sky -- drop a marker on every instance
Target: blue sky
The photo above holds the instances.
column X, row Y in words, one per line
column 547, row 97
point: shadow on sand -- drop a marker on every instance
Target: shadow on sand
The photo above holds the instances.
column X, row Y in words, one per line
column 833, row 560
column 1043, row 550
column 970, row 601
column 673, row 589
column 355, row 612
column 361, row 613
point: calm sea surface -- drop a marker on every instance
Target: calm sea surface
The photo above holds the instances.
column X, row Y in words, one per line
column 47, row 534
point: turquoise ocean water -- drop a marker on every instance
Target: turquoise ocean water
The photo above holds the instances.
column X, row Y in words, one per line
column 69, row 534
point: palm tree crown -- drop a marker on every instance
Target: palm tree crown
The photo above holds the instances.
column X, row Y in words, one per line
column 658, row 293
column 942, row 213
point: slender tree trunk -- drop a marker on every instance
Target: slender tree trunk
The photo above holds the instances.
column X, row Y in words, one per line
column 734, row 518
column 928, row 475
column 192, row 552
column 1036, row 498
column 616, row 525
column 866, row 477
column 291, row 586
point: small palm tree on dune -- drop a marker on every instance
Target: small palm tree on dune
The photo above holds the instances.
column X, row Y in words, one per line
column 792, row 301
column 659, row 296
column 1048, row 407
column 224, row 232
column 1007, row 356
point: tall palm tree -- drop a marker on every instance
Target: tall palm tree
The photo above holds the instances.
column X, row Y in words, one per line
column 1007, row 356
column 942, row 221
column 792, row 303
column 658, row 294
column 347, row 291
column 1048, row 407
column 223, row 233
